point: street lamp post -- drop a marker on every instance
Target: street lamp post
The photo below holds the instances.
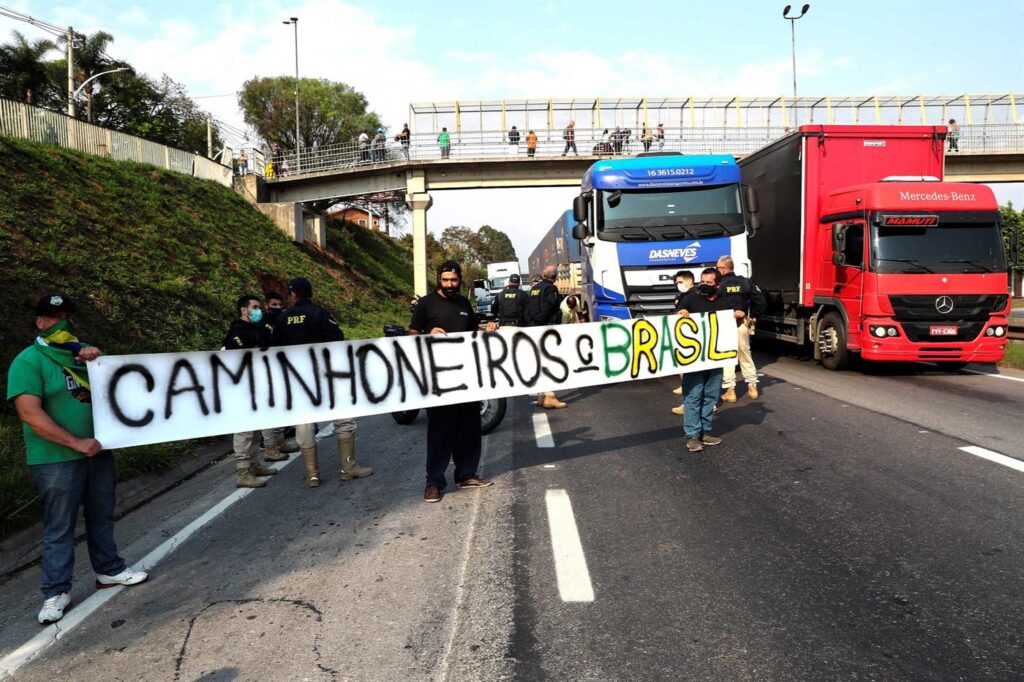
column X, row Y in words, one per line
column 294, row 21
column 792, row 29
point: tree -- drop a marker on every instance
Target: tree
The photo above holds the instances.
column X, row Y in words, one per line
column 1013, row 231
column 495, row 245
column 329, row 112
column 24, row 74
column 90, row 60
column 474, row 250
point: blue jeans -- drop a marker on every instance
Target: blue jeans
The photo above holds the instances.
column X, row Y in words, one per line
column 701, row 391
column 64, row 487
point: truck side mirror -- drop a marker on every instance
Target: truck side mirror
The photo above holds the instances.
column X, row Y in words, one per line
column 579, row 208
column 755, row 225
column 580, row 231
column 838, row 258
column 838, row 237
column 750, row 199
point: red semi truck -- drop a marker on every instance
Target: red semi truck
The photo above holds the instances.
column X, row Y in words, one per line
column 864, row 250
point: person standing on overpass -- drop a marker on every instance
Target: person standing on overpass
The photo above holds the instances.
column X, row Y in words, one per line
column 531, row 144
column 444, row 142
column 306, row 322
column 542, row 310
column 569, row 135
column 751, row 301
column 453, row 431
column 511, row 304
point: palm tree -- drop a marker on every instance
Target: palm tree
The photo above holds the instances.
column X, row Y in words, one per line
column 91, row 60
column 26, row 74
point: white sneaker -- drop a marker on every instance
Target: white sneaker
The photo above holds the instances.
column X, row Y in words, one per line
column 125, row 577
column 53, row 608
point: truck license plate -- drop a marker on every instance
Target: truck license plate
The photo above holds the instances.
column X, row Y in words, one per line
column 940, row 330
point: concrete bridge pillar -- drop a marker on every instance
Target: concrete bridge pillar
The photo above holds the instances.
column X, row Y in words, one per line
column 419, row 202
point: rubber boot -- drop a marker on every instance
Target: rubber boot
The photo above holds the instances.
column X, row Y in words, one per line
column 752, row 391
column 350, row 468
column 245, row 478
column 729, row 396
column 309, row 459
column 258, row 469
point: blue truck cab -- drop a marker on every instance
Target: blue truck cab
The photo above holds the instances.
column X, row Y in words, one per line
column 643, row 219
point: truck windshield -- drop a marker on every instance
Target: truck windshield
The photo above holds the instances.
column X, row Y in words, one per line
column 947, row 248
column 497, row 282
column 669, row 213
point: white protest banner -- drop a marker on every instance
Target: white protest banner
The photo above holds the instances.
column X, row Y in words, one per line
column 141, row 399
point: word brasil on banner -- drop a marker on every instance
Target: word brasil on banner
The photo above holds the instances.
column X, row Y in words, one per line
column 141, row 399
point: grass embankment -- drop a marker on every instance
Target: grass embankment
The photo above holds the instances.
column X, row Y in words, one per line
column 1014, row 355
column 155, row 261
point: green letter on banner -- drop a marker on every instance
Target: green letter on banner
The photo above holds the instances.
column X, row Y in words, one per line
column 621, row 349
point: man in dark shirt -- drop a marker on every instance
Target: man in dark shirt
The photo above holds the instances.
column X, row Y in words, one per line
column 453, row 431
column 703, row 388
column 306, row 322
column 510, row 304
column 248, row 331
column 543, row 309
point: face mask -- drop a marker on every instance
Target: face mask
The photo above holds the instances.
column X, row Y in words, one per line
column 683, row 287
column 706, row 289
column 255, row 315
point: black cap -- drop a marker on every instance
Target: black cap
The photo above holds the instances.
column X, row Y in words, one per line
column 301, row 287
column 449, row 266
column 55, row 303
column 514, row 279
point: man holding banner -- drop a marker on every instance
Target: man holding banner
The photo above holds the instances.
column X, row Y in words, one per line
column 49, row 385
column 306, row 322
column 453, row 431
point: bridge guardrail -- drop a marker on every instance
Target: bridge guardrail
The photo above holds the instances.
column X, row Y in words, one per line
column 491, row 144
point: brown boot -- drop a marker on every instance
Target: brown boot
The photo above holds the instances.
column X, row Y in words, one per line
column 551, row 402
column 245, row 478
column 752, row 392
column 258, row 469
column 729, row 396
column 350, row 468
column 272, row 453
column 309, row 459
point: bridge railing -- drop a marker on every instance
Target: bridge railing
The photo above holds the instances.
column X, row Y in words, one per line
column 491, row 144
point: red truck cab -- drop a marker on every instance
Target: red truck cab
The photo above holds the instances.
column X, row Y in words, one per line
column 865, row 250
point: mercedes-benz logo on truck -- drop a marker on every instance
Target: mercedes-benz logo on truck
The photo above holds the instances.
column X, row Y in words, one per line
column 944, row 304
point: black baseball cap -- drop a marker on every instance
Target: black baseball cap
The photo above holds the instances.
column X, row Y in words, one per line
column 514, row 279
column 301, row 287
column 55, row 303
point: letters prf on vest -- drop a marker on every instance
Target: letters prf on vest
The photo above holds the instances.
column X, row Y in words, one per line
column 141, row 399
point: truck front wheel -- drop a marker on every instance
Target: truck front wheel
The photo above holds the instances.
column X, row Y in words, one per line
column 832, row 342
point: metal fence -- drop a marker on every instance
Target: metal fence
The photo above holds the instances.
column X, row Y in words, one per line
column 51, row 127
column 973, row 139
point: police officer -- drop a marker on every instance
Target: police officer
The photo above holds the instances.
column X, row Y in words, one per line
column 306, row 322
column 248, row 330
column 752, row 303
column 453, row 431
column 542, row 310
column 511, row 304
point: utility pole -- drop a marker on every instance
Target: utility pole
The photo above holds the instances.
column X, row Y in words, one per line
column 294, row 21
column 71, row 72
column 209, row 136
column 792, row 30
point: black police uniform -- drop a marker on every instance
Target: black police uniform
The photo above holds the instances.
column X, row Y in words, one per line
column 747, row 295
column 453, row 431
column 307, row 322
column 543, row 307
column 511, row 306
column 243, row 334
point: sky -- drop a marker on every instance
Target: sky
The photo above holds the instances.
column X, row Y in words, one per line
column 399, row 51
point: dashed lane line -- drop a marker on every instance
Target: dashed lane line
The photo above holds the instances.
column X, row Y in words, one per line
column 994, row 456
column 570, row 563
column 77, row 615
column 542, row 431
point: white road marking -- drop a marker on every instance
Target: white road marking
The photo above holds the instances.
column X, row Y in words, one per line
column 542, row 431
column 993, row 375
column 51, row 633
column 570, row 563
column 549, row 466
column 993, row 456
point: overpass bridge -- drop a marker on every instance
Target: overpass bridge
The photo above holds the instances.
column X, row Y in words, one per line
column 483, row 156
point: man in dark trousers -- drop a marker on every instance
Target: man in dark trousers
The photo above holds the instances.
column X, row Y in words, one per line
column 544, row 308
column 510, row 305
column 249, row 330
column 702, row 389
column 752, row 302
column 307, row 322
column 48, row 383
column 453, row 431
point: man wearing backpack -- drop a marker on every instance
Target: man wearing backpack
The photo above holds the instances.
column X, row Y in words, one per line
column 753, row 304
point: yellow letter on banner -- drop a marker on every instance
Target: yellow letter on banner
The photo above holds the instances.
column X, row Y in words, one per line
column 645, row 340
column 713, row 352
column 686, row 342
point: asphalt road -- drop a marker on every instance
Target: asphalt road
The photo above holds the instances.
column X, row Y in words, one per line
column 839, row 532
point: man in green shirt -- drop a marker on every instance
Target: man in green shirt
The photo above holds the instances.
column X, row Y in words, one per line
column 444, row 141
column 49, row 385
